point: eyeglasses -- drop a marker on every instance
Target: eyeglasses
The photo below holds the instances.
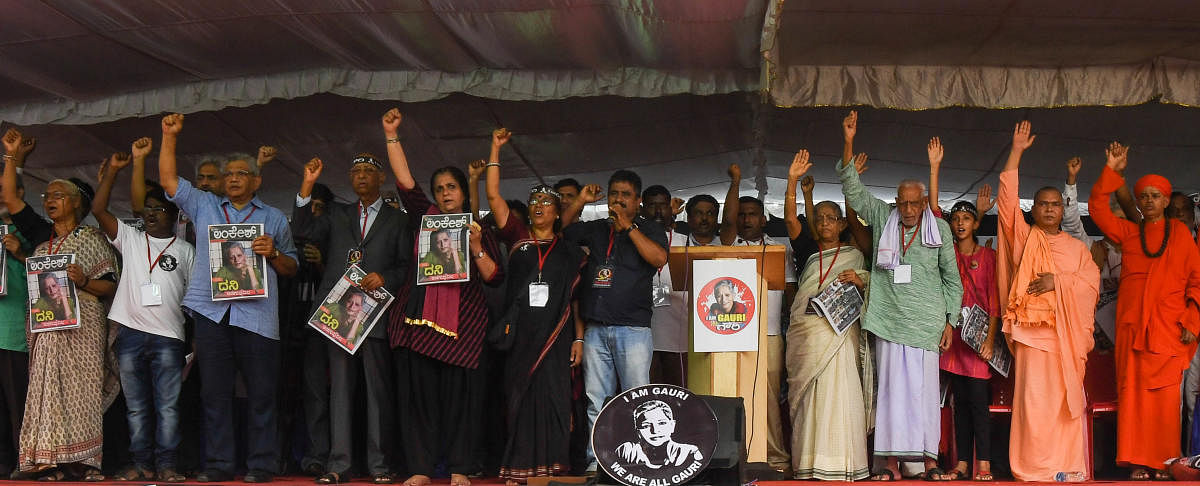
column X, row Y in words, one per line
column 46, row 196
column 154, row 210
column 240, row 174
column 543, row 202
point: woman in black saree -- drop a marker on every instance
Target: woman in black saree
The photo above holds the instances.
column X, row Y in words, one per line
column 541, row 333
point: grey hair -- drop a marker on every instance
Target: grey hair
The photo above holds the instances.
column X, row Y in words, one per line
column 75, row 193
column 213, row 161
column 250, row 160
column 836, row 209
column 911, row 183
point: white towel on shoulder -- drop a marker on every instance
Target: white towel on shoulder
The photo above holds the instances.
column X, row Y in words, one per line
column 887, row 256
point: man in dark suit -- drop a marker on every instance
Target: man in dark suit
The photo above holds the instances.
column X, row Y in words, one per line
column 372, row 235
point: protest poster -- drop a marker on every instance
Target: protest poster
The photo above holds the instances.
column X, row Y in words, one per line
column 236, row 271
column 349, row 312
column 840, row 304
column 53, row 303
column 443, row 244
column 655, row 435
column 725, row 309
column 973, row 327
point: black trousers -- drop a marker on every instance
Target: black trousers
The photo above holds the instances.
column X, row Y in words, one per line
column 14, row 381
column 316, row 399
column 439, row 407
column 972, row 421
column 374, row 358
column 221, row 351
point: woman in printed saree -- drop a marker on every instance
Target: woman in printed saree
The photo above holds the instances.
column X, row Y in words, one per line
column 547, row 338
column 829, row 375
column 72, row 372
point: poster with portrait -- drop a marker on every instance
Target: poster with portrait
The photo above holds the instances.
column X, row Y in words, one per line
column 725, row 305
column 973, row 326
column 236, row 271
column 53, row 304
column 840, row 304
column 443, row 247
column 655, row 435
column 347, row 315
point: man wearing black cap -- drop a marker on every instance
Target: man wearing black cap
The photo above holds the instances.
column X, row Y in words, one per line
column 370, row 234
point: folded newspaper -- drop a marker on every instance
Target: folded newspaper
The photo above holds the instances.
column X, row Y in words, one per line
column 53, row 303
column 349, row 312
column 236, row 271
column 840, row 304
column 973, row 326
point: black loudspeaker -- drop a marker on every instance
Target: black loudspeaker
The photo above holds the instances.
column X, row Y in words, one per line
column 729, row 459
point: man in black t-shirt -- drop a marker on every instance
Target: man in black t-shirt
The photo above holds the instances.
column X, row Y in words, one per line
column 625, row 252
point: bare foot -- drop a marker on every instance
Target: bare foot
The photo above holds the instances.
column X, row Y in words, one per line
column 512, row 482
column 459, row 480
column 417, row 480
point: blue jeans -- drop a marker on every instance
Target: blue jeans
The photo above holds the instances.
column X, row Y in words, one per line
column 613, row 355
column 151, row 376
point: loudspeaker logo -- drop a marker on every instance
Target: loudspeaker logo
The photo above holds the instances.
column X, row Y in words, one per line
column 637, row 443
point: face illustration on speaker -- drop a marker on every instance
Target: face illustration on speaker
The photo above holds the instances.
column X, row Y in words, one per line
column 638, row 441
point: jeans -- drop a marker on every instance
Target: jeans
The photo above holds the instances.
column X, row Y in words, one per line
column 612, row 355
column 151, row 377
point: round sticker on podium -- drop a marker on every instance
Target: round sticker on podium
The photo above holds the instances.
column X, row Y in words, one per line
column 654, row 435
column 726, row 304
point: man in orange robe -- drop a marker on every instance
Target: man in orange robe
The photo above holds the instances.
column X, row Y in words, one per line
column 1157, row 317
column 1048, row 290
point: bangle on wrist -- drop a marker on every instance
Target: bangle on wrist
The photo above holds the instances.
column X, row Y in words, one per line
column 579, row 340
column 9, row 157
column 393, row 140
column 492, row 164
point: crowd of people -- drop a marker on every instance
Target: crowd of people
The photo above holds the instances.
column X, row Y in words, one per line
column 506, row 371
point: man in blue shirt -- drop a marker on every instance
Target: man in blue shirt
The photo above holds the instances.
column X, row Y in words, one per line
column 233, row 335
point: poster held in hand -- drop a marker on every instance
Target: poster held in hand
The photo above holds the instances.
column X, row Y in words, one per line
column 973, row 325
column 443, row 247
column 840, row 304
column 236, row 271
column 53, row 303
column 347, row 315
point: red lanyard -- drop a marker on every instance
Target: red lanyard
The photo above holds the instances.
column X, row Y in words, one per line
column 160, row 254
column 54, row 250
column 608, row 254
column 363, row 234
column 916, row 229
column 542, row 258
column 822, row 274
column 252, row 210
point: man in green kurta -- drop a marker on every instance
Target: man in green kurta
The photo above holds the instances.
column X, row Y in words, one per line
column 915, row 292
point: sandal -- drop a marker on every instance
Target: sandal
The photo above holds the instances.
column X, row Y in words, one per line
column 984, row 476
column 1162, row 475
column 54, row 475
column 170, row 475
column 1139, row 474
column 383, row 478
column 934, row 474
column 93, row 475
column 134, row 473
column 883, row 475
column 329, row 478
column 954, row 475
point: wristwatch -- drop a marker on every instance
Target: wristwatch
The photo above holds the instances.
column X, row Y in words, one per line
column 274, row 254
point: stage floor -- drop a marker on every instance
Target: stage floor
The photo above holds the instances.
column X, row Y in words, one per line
column 495, row 481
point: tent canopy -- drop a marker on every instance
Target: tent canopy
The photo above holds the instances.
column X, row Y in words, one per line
column 673, row 89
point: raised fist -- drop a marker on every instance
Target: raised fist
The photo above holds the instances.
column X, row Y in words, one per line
column 141, row 147
column 119, row 161
column 172, row 124
column 312, row 170
column 12, row 141
column 266, row 153
column 391, row 121
column 800, row 165
column 476, row 169
column 677, row 205
column 850, row 125
column 592, row 193
column 500, row 136
column 807, row 184
column 735, row 172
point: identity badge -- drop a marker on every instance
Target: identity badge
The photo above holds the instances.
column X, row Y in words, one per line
column 604, row 276
column 661, row 293
column 539, row 294
column 151, row 295
column 902, row 274
column 354, row 256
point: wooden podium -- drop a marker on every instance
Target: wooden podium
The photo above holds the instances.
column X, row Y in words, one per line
column 734, row 374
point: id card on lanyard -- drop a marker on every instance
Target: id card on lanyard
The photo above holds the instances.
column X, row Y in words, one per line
column 903, row 272
column 539, row 291
column 604, row 273
column 151, row 294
